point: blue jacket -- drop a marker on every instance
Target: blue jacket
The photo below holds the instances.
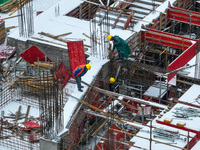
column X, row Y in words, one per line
column 80, row 71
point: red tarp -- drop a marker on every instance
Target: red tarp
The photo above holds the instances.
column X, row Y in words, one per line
column 76, row 54
column 34, row 54
column 29, row 125
column 62, row 74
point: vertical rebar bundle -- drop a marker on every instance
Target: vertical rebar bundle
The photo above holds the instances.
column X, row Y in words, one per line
column 51, row 107
column 25, row 20
column 99, row 29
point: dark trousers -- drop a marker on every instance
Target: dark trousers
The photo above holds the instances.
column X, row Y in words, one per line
column 78, row 81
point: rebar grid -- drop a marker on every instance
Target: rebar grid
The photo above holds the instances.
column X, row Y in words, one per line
column 13, row 139
column 6, row 94
column 51, row 107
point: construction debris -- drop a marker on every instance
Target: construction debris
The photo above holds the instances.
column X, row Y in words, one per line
column 12, row 6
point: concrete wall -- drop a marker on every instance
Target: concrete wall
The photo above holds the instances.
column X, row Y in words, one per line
column 49, row 145
column 53, row 52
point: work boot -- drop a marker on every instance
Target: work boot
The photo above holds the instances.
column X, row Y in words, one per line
column 80, row 90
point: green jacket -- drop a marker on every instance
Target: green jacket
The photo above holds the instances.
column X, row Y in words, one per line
column 121, row 46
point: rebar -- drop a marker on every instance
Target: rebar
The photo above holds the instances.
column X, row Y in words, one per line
column 25, row 19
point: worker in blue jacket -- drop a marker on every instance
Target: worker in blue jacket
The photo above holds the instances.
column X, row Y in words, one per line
column 121, row 45
column 80, row 71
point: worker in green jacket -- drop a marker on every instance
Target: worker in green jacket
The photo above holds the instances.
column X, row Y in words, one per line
column 121, row 45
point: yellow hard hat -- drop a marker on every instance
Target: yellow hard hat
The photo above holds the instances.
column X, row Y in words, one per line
column 112, row 80
column 88, row 66
column 109, row 37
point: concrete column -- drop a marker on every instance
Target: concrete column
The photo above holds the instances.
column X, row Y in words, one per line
column 46, row 144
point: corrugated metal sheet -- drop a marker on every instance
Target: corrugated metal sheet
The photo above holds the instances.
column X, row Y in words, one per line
column 34, row 54
column 76, row 54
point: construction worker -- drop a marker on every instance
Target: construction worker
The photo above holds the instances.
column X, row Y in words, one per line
column 80, row 71
column 113, row 86
column 121, row 45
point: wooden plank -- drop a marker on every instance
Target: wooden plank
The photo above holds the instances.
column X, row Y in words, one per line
column 18, row 113
column 186, row 13
column 101, row 126
column 48, row 41
column 165, row 50
column 91, row 38
column 158, row 51
column 64, row 34
column 4, row 74
column 27, row 113
column 45, row 65
column 110, row 95
column 107, row 114
column 169, row 36
column 138, row 6
column 184, row 17
column 147, row 37
column 113, row 96
column 15, row 81
column 128, row 20
column 11, row 17
column 57, row 38
column 19, row 6
column 160, row 21
column 117, row 20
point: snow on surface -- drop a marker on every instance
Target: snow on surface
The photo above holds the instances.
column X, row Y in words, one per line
column 96, row 65
column 148, row 19
column 13, row 107
column 5, row 148
column 192, row 95
column 178, row 142
column 156, row 91
column 57, row 24
column 49, row 22
column 191, row 70
column 197, row 146
column 38, row 5
column 189, row 97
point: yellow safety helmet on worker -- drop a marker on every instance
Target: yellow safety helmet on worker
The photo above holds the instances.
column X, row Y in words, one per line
column 109, row 37
column 112, row 80
column 88, row 66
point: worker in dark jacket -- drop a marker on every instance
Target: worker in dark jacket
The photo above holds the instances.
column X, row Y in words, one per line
column 121, row 45
column 80, row 71
column 113, row 86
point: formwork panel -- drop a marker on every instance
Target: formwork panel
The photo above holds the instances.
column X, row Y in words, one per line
column 34, row 54
column 62, row 74
column 76, row 54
